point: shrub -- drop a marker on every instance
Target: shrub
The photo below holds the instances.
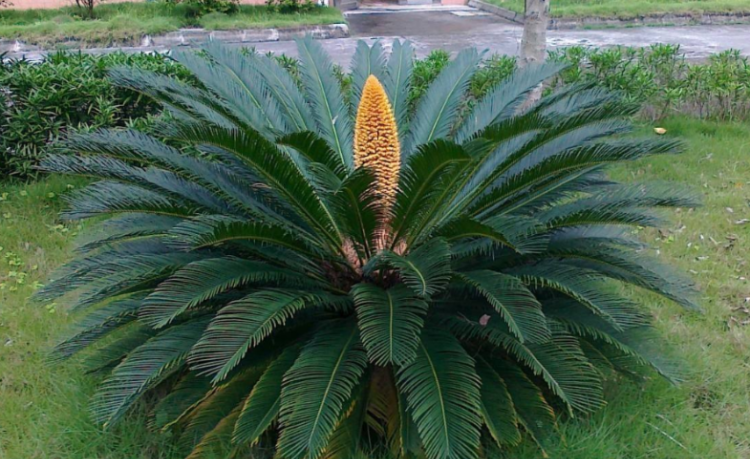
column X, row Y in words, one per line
column 425, row 71
column 197, row 8
column 41, row 102
column 661, row 79
column 423, row 283
column 291, row 6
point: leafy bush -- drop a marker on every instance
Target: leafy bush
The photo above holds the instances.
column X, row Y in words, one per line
column 660, row 78
column 425, row 71
column 41, row 102
column 197, row 8
column 291, row 6
column 493, row 71
column 316, row 283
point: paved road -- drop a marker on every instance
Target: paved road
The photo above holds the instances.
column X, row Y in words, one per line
column 456, row 28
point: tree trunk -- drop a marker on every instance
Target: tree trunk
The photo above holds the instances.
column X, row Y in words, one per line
column 534, row 41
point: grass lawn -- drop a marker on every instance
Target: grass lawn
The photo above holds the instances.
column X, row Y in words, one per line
column 630, row 8
column 43, row 408
column 124, row 22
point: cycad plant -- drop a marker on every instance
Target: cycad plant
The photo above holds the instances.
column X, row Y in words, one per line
column 313, row 274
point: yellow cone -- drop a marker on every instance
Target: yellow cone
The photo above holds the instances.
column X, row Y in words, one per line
column 376, row 143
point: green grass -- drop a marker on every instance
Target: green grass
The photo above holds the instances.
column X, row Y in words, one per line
column 630, row 8
column 128, row 22
column 43, row 408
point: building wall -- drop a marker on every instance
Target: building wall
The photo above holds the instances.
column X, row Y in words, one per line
column 29, row 4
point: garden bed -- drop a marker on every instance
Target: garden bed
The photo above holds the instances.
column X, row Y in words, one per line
column 130, row 23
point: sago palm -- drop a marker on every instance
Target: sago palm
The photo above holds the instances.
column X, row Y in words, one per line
column 315, row 274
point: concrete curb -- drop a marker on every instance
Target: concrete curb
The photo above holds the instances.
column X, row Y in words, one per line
column 187, row 37
column 645, row 20
column 504, row 13
column 652, row 20
column 383, row 9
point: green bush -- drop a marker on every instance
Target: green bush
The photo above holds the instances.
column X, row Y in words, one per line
column 660, row 78
column 291, row 6
column 197, row 8
column 41, row 102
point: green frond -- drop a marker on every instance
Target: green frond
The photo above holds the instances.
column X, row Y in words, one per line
column 559, row 361
column 231, row 74
column 183, row 99
column 234, row 186
column 215, row 443
column 348, row 436
column 187, row 392
column 215, row 406
column 638, row 342
column 534, row 413
column 132, row 275
column 426, row 269
column 203, row 280
column 277, row 170
column 442, row 391
column 282, row 87
column 427, row 174
column 355, row 208
column 261, row 408
column 513, row 301
column 504, row 101
column 367, row 60
column 315, row 152
column 143, row 368
column 324, row 95
column 567, row 372
column 98, row 324
column 244, row 323
column 109, row 198
column 398, row 82
column 153, row 179
column 498, row 410
column 317, row 387
column 516, row 232
column 245, row 101
column 629, row 267
column 587, row 289
column 151, row 255
column 106, row 357
column 199, row 233
column 125, row 227
column 390, row 322
column 436, row 112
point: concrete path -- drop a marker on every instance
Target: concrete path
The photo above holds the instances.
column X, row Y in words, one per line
column 455, row 28
column 458, row 27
